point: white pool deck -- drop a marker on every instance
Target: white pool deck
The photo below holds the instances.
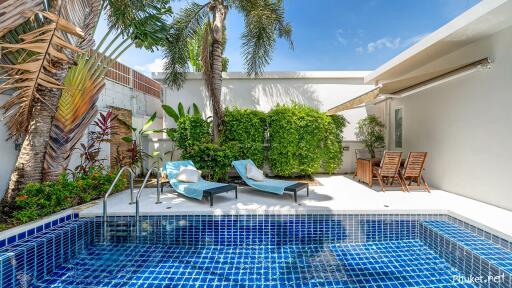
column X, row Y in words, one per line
column 336, row 194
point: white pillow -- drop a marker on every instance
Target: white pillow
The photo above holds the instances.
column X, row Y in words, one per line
column 189, row 175
column 254, row 173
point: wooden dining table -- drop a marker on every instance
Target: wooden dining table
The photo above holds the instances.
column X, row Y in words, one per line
column 364, row 169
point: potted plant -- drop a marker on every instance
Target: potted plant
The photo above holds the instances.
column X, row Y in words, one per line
column 370, row 131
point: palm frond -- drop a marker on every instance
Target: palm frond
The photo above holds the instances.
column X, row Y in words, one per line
column 184, row 26
column 77, row 105
column 84, row 14
column 264, row 23
column 144, row 22
column 12, row 13
column 24, row 78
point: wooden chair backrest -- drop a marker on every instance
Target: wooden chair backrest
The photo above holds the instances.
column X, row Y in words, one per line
column 414, row 164
column 390, row 163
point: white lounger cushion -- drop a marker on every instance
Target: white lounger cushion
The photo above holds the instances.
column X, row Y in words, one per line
column 189, row 175
column 254, row 173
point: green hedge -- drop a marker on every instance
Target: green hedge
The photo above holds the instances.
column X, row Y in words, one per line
column 245, row 128
column 192, row 131
column 213, row 160
column 333, row 143
column 303, row 140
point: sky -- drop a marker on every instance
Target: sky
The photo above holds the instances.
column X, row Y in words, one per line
column 330, row 34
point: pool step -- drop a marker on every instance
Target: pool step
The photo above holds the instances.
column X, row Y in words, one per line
column 469, row 253
column 120, row 231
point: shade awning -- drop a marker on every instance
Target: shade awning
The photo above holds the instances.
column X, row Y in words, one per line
column 408, row 85
column 359, row 100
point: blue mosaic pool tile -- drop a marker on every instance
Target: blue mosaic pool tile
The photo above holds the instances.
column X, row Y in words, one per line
column 480, row 246
column 469, row 253
column 339, row 250
column 32, row 258
column 344, row 265
column 32, row 231
column 263, row 229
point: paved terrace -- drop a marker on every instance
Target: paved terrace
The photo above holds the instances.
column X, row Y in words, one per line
column 334, row 194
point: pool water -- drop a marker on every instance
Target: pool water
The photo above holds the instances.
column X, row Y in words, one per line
column 311, row 250
column 406, row 263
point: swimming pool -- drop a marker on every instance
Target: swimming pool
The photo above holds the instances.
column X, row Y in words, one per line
column 338, row 250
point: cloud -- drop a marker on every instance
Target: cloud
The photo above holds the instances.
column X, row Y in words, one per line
column 156, row 66
column 390, row 43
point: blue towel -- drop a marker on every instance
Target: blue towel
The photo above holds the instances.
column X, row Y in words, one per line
column 194, row 190
column 269, row 185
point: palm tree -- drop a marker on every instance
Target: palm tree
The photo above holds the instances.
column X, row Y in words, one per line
column 42, row 53
column 264, row 24
column 144, row 26
column 30, row 112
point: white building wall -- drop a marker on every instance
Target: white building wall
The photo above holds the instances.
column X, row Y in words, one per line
column 141, row 105
column 322, row 90
column 8, row 154
column 465, row 125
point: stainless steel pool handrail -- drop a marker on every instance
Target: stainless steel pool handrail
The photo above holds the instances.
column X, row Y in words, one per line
column 132, row 176
column 137, row 199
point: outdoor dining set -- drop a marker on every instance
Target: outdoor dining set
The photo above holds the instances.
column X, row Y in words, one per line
column 389, row 168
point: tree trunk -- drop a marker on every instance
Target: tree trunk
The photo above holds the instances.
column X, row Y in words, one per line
column 29, row 165
column 219, row 16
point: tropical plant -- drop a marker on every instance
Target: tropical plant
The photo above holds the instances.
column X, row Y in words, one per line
column 136, row 152
column 141, row 22
column 17, row 13
column 195, row 47
column 177, row 114
column 36, row 80
column 85, row 81
column 264, row 23
column 370, row 131
column 89, row 152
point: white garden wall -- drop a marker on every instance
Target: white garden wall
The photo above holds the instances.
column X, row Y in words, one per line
column 321, row 89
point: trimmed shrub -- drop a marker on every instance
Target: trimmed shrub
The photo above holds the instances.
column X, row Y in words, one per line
column 192, row 131
column 42, row 199
column 245, row 128
column 213, row 160
column 296, row 134
column 333, row 143
column 303, row 140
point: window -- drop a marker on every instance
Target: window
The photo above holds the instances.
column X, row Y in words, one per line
column 399, row 127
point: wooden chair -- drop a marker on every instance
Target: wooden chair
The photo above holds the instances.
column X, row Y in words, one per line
column 389, row 170
column 360, row 153
column 413, row 170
